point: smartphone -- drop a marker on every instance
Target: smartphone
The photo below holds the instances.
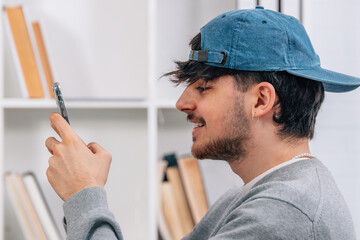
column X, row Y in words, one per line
column 60, row 101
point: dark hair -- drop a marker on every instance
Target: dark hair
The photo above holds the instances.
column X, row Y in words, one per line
column 299, row 98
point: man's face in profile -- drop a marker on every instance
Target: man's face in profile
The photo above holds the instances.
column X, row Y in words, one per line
column 216, row 108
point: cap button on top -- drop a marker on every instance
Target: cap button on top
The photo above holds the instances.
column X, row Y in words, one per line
column 259, row 7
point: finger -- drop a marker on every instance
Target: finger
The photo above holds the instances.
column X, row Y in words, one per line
column 51, row 161
column 62, row 127
column 51, row 143
column 98, row 150
column 95, row 147
column 53, row 127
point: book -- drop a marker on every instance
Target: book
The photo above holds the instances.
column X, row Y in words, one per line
column 194, row 188
column 43, row 57
column 24, row 212
column 24, row 57
column 175, row 208
column 29, row 206
column 163, row 227
column 41, row 207
column 170, row 210
column 173, row 176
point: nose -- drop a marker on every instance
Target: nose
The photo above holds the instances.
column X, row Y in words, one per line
column 186, row 102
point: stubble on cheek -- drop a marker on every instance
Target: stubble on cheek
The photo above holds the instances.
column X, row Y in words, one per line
column 233, row 137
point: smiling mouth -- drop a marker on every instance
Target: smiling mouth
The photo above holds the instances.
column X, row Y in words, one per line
column 197, row 129
column 197, row 121
column 199, row 124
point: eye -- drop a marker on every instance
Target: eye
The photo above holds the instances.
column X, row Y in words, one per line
column 201, row 89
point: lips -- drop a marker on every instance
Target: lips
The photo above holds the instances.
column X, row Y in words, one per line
column 198, row 121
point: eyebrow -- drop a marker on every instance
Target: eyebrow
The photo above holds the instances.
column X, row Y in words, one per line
column 212, row 81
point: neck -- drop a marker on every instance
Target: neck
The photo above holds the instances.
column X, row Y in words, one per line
column 266, row 156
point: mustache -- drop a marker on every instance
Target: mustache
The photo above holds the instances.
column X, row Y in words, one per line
column 193, row 118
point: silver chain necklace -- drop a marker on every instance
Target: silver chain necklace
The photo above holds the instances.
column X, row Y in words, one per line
column 303, row 155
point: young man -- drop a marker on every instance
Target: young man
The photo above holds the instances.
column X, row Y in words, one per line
column 254, row 88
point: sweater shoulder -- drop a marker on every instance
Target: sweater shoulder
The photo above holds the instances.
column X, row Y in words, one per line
column 306, row 185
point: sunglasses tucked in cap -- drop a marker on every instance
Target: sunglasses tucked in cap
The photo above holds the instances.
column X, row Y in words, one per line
column 265, row 40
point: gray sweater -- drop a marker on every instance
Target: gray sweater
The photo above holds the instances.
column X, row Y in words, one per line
column 297, row 201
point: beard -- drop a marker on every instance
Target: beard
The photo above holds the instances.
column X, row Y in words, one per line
column 233, row 145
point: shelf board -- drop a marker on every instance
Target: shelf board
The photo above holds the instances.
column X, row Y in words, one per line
column 72, row 104
column 22, row 103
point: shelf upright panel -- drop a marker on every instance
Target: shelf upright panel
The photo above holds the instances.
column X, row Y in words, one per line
column 2, row 159
column 2, row 62
column 2, row 131
column 153, row 189
column 152, row 119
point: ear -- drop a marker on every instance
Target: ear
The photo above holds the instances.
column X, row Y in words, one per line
column 264, row 96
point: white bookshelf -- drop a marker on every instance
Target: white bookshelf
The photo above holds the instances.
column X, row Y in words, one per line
column 139, row 123
column 135, row 123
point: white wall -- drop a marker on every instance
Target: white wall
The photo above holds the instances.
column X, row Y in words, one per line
column 334, row 28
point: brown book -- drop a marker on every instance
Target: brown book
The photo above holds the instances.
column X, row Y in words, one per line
column 43, row 57
column 194, row 188
column 170, row 210
column 163, row 227
column 184, row 213
column 25, row 57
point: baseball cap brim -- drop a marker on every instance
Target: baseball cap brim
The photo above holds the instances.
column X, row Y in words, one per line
column 332, row 81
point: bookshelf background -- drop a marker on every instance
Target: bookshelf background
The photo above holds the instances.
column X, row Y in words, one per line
column 132, row 112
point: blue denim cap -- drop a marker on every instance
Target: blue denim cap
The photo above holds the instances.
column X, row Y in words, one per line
column 265, row 40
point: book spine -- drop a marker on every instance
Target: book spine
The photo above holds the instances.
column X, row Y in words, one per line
column 17, row 65
column 29, row 208
column 181, row 201
column 41, row 207
column 24, row 51
column 18, row 206
column 43, row 59
column 194, row 188
column 170, row 210
column 163, row 226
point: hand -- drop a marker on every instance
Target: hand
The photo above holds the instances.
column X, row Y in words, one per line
column 74, row 165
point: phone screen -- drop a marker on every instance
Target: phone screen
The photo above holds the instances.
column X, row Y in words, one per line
column 60, row 101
